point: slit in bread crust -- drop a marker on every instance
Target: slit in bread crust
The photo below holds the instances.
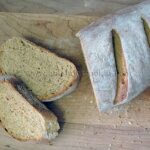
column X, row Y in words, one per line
column 147, row 29
column 122, row 75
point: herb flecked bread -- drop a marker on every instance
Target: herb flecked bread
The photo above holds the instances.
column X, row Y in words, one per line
column 25, row 119
column 47, row 75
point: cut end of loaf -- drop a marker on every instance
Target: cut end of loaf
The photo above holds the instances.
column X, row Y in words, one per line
column 46, row 74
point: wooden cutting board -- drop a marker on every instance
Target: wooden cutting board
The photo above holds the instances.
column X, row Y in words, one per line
column 80, row 7
column 84, row 127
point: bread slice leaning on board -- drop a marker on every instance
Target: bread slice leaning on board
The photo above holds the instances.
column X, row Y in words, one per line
column 47, row 75
column 117, row 54
column 25, row 118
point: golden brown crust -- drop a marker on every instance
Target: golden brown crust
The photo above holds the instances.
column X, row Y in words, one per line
column 122, row 88
column 122, row 75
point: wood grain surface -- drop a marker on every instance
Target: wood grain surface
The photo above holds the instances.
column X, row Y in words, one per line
column 57, row 33
column 124, row 128
column 85, row 137
column 80, row 7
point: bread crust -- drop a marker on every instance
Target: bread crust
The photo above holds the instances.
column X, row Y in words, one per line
column 96, row 39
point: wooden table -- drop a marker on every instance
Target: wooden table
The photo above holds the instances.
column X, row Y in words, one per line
column 82, row 126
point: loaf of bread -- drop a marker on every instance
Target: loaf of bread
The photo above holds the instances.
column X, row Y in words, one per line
column 25, row 119
column 117, row 54
column 47, row 75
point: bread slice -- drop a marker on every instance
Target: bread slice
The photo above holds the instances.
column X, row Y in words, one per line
column 131, row 61
column 25, row 119
column 47, row 75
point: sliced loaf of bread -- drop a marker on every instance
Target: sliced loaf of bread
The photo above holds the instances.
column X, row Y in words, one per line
column 25, row 119
column 47, row 75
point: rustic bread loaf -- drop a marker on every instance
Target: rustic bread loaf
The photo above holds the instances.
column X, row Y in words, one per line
column 25, row 119
column 47, row 75
column 117, row 54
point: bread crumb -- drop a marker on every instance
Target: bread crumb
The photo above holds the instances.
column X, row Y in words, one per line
column 91, row 102
column 109, row 147
column 130, row 123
